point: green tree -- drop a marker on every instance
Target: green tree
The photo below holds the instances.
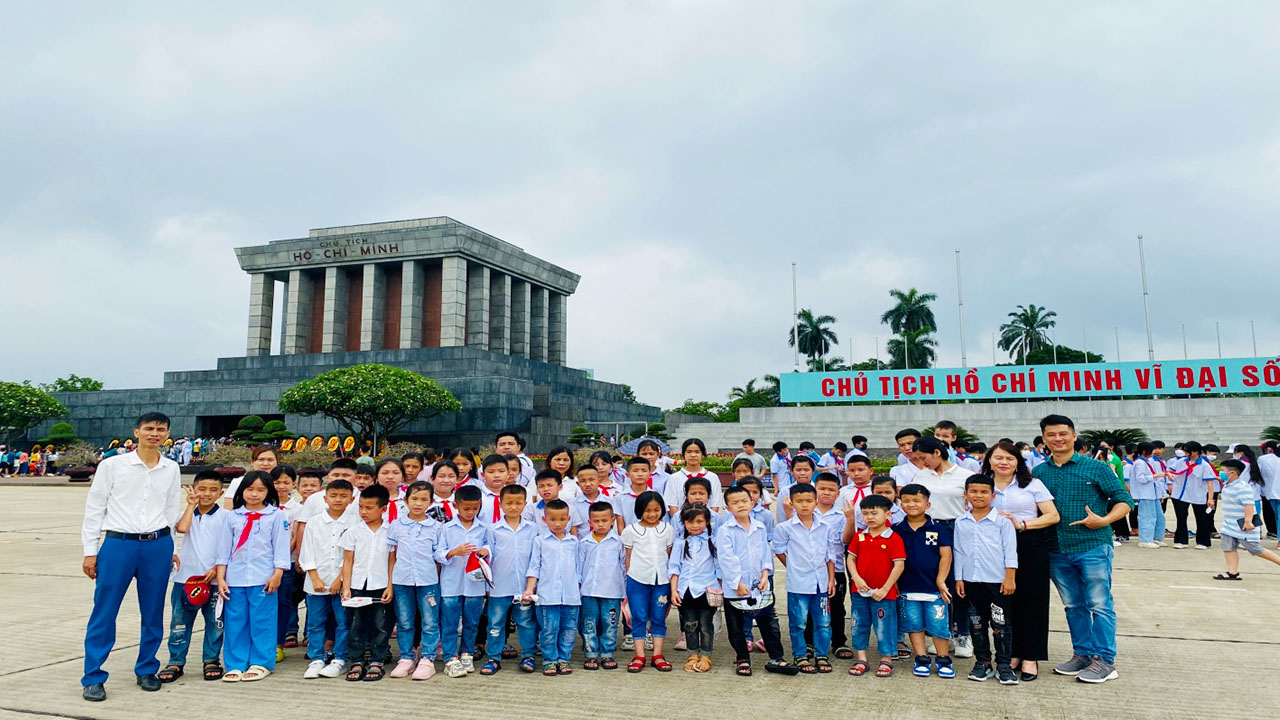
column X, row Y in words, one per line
column 1066, row 356
column 816, row 339
column 72, row 383
column 248, row 430
column 1026, row 331
column 911, row 312
column 869, row 364
column 628, row 394
column 658, row 431
column 1117, row 438
column 773, row 388
column 22, row 407
column 61, row 434
column 581, row 436
column 275, row 430
column 370, row 401
column 704, row 408
column 915, row 349
column 1270, row 432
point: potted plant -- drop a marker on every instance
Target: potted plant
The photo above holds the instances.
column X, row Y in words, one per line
column 79, row 473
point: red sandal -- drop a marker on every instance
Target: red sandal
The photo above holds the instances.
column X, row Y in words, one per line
column 636, row 664
column 661, row 663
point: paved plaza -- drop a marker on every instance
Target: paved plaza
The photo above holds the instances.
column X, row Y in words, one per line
column 1189, row 647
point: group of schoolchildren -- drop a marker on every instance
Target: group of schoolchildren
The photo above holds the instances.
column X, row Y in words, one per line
column 455, row 558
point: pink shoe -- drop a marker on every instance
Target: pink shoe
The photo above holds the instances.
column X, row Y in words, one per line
column 759, row 646
column 402, row 669
column 425, row 669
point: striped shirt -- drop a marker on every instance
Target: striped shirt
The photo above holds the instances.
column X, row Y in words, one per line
column 1235, row 496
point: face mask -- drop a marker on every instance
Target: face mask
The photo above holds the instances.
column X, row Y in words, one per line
column 1179, row 453
column 1211, row 457
column 1026, row 454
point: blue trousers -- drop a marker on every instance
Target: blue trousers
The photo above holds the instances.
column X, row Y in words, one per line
column 120, row 562
column 287, row 618
column 249, row 627
column 1083, row 580
column 882, row 616
column 456, row 609
column 323, row 611
column 599, row 619
column 557, row 631
column 649, row 606
column 182, row 616
column 801, row 607
column 526, row 627
column 417, row 604
column 1151, row 521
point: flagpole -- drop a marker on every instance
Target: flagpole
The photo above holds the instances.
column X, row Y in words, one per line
column 964, row 359
column 1146, row 302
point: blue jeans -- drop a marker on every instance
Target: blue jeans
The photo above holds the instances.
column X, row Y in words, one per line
column 881, row 615
column 249, row 636
column 1150, row 521
column 321, row 611
column 557, row 630
column 802, row 606
column 1083, row 580
column 930, row 618
column 288, row 613
column 456, row 609
column 414, row 604
column 649, row 605
column 120, row 562
column 526, row 627
column 600, row 626
column 182, row 615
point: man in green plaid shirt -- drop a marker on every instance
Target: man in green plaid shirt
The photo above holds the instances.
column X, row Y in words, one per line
column 1089, row 497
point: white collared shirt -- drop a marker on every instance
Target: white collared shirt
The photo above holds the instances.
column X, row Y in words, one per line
column 321, row 549
column 369, row 567
column 649, row 546
column 946, row 491
column 126, row 496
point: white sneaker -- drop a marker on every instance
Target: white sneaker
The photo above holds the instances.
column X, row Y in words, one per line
column 628, row 642
column 1163, row 543
column 682, row 643
column 1150, row 545
column 468, row 663
column 1179, row 546
column 313, row 670
column 1201, row 547
column 454, row 668
column 1115, row 542
column 648, row 642
column 963, row 647
column 335, row 668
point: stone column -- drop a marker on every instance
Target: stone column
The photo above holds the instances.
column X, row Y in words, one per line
column 297, row 313
column 478, row 306
column 500, row 312
column 371, row 307
column 284, row 313
column 411, row 296
column 519, row 318
column 453, row 302
column 262, row 292
column 335, row 310
column 538, row 323
column 556, row 328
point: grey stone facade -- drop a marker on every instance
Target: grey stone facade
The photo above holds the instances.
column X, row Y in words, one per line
column 432, row 296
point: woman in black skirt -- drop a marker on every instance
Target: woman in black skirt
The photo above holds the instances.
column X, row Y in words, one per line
column 1027, row 502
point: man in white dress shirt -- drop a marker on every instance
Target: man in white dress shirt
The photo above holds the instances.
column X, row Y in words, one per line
column 135, row 500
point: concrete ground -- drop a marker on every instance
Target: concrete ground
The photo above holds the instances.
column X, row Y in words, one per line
column 1189, row 646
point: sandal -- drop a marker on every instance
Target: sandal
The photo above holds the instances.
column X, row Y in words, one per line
column 527, row 665
column 781, row 667
column 844, row 653
column 806, row 665
column 355, row 672
column 704, row 664
column 170, row 673
column 742, row 668
column 824, row 665
column 591, row 664
column 660, row 663
column 691, row 665
column 885, row 669
column 491, row 667
column 374, row 673
column 549, row 670
column 608, row 664
column 564, row 668
column 232, row 676
column 1219, row 576
column 291, row 640
column 636, row 664
column 212, row 670
column 859, row 668
column 509, row 652
column 255, row 672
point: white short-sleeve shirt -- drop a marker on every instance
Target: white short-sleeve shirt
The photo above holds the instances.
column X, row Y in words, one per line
column 1021, row 502
column 649, row 546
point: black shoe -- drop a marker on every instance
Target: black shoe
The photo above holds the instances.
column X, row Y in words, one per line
column 150, row 683
column 95, row 692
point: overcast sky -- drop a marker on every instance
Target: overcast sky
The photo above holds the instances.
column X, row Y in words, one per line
column 678, row 155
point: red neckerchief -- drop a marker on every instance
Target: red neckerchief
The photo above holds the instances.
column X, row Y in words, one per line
column 392, row 512
column 497, row 510
column 248, row 528
column 448, row 511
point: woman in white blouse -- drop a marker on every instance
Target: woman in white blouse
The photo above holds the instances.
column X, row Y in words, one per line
column 1027, row 502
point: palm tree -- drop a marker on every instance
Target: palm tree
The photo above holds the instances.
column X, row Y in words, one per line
column 1026, row 331
column 739, row 393
column 911, row 312
column 773, row 388
column 919, row 349
column 826, row 364
column 816, row 339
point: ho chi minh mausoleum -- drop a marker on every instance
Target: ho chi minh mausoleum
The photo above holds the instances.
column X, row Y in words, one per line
column 433, row 296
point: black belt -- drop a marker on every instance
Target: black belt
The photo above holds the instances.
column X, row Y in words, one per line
column 162, row 532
